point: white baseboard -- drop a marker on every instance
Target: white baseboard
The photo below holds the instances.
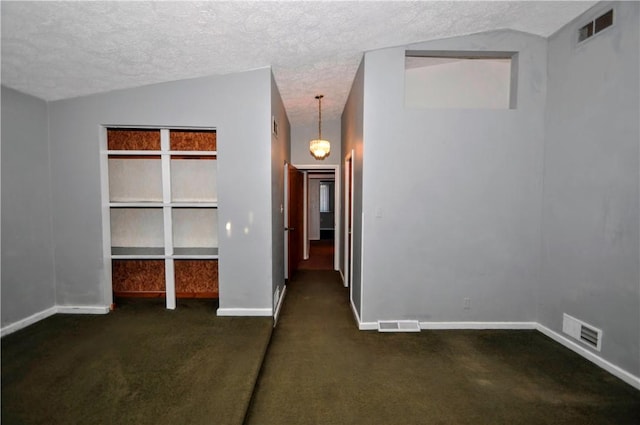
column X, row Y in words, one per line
column 244, row 312
column 363, row 326
column 279, row 306
column 82, row 309
column 62, row 309
column 344, row 282
column 368, row 326
column 627, row 377
column 478, row 325
column 20, row 324
column 456, row 325
column 355, row 312
column 616, row 371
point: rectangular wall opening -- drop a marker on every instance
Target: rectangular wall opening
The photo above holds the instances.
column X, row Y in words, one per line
column 460, row 80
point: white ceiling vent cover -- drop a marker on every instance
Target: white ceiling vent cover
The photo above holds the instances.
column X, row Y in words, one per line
column 583, row 332
column 398, row 326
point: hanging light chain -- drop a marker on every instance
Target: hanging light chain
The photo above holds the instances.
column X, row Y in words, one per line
column 319, row 97
column 319, row 148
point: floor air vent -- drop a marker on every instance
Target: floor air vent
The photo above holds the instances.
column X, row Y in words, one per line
column 582, row 331
column 398, row 326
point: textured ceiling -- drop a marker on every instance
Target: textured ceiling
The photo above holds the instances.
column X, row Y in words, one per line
column 58, row 50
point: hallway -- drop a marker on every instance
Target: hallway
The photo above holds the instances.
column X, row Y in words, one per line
column 320, row 256
column 320, row 369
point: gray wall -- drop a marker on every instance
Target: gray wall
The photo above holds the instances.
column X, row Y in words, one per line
column 301, row 135
column 452, row 197
column 280, row 153
column 239, row 106
column 352, row 126
column 591, row 183
column 28, row 279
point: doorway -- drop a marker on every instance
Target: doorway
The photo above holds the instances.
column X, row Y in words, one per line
column 321, row 248
column 321, row 211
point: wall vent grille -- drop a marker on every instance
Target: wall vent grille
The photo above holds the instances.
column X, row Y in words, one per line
column 583, row 332
column 594, row 27
column 398, row 326
column 590, row 336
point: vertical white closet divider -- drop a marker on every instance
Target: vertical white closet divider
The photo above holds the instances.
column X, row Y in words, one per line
column 170, row 283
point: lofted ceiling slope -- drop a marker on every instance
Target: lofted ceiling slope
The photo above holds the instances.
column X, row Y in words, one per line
column 58, row 50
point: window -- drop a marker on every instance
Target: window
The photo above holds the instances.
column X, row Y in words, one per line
column 325, row 198
column 447, row 80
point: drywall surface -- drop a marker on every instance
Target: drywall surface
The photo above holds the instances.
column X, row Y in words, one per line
column 238, row 106
column 280, row 153
column 591, row 183
column 457, row 83
column 28, row 278
column 301, row 135
column 352, row 136
column 452, row 197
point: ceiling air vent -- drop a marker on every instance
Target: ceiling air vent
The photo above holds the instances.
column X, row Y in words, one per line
column 594, row 27
column 582, row 331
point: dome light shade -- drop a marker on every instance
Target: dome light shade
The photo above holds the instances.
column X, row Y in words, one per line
column 319, row 147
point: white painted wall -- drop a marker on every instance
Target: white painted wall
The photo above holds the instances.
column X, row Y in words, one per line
column 591, row 184
column 457, row 83
column 239, row 106
column 135, row 180
column 195, row 227
column 28, row 277
column 184, row 172
column 137, row 227
column 456, row 212
column 301, row 135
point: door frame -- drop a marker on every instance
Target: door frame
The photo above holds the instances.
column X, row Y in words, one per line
column 338, row 206
column 285, row 211
column 348, row 219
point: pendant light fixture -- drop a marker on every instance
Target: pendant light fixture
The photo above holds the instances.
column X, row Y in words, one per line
column 319, row 148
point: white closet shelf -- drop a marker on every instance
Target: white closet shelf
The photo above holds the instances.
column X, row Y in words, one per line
column 157, row 153
column 134, row 252
column 192, row 153
column 156, row 204
column 195, row 253
column 195, row 204
column 138, row 204
column 135, row 153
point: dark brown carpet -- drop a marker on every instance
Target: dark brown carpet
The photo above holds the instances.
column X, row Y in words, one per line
column 320, row 256
column 321, row 370
column 141, row 364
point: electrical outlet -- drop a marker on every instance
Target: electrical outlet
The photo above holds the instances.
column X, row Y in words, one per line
column 467, row 303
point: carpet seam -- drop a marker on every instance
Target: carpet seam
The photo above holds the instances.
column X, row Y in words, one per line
column 258, row 375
